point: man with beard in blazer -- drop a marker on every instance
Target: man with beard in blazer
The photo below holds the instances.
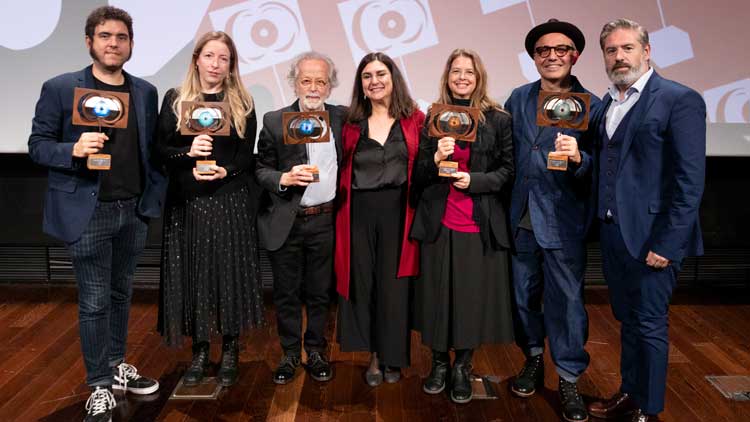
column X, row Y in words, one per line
column 101, row 215
column 296, row 224
column 651, row 172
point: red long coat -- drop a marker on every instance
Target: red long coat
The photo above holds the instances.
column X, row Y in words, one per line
column 409, row 261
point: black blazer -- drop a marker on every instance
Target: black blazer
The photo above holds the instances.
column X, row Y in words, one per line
column 278, row 209
column 491, row 169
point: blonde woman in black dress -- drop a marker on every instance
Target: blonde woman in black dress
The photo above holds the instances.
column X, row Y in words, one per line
column 210, row 275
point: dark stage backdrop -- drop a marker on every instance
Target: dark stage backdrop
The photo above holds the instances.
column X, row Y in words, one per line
column 29, row 256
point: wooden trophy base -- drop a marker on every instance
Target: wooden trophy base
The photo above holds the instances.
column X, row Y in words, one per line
column 99, row 162
column 315, row 173
column 557, row 162
column 204, row 167
column 208, row 389
column 482, row 388
column 447, row 168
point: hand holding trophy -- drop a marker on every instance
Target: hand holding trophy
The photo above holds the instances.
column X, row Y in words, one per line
column 564, row 110
column 92, row 107
column 204, row 118
column 451, row 123
column 303, row 128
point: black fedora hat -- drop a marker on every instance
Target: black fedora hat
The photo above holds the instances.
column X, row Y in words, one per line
column 551, row 26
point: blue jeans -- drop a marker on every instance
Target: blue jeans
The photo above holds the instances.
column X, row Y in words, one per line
column 104, row 261
column 548, row 289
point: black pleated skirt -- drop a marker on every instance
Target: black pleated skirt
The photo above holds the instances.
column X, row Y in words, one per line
column 462, row 299
column 210, row 277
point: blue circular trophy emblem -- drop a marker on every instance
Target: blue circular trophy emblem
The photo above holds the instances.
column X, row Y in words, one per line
column 101, row 109
column 306, row 127
column 205, row 119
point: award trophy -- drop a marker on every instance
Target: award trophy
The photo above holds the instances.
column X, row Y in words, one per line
column 204, row 118
column 307, row 127
column 458, row 122
column 93, row 107
column 564, row 110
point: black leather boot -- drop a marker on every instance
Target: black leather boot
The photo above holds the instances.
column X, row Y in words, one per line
column 435, row 382
column 228, row 371
column 199, row 366
column 573, row 409
column 530, row 377
column 461, row 377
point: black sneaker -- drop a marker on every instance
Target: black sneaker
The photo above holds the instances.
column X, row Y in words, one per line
column 99, row 405
column 573, row 409
column 287, row 369
column 127, row 379
column 530, row 377
column 318, row 367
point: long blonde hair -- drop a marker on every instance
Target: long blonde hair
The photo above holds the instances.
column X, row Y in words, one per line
column 240, row 101
column 479, row 97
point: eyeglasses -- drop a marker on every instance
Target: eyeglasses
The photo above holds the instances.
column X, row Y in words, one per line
column 307, row 83
column 560, row 50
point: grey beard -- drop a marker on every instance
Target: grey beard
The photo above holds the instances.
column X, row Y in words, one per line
column 626, row 79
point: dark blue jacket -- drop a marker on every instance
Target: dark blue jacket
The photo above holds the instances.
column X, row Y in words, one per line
column 72, row 188
column 661, row 173
column 560, row 202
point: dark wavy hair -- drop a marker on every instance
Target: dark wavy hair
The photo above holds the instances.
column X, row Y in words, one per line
column 107, row 13
column 402, row 105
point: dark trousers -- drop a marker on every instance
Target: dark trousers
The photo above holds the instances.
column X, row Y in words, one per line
column 640, row 297
column 548, row 289
column 104, row 261
column 302, row 270
column 376, row 316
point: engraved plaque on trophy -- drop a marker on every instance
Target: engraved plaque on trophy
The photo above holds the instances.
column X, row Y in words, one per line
column 95, row 107
column 307, row 127
column 204, row 118
column 564, row 110
column 458, row 122
column 312, row 168
column 447, row 168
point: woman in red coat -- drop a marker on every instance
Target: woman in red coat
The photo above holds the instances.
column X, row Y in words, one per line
column 374, row 256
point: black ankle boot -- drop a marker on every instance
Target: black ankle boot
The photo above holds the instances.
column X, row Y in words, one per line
column 435, row 382
column 199, row 366
column 461, row 377
column 530, row 377
column 229, row 371
column 573, row 409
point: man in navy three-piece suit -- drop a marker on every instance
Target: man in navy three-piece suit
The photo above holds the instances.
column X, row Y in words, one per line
column 651, row 170
column 101, row 215
column 549, row 215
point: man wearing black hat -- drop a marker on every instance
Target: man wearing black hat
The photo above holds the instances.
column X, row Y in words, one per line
column 550, row 213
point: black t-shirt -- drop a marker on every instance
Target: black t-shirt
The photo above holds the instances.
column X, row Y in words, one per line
column 124, row 179
column 376, row 166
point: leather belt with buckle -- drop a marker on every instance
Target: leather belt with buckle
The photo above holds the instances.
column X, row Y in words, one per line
column 318, row 209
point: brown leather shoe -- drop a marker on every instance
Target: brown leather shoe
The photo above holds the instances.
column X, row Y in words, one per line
column 620, row 404
column 639, row 416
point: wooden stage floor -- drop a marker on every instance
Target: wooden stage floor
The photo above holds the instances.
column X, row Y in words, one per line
column 41, row 370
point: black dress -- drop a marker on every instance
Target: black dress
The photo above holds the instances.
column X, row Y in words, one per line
column 210, row 278
column 376, row 316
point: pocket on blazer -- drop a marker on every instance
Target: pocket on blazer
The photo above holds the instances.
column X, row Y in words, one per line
column 658, row 207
